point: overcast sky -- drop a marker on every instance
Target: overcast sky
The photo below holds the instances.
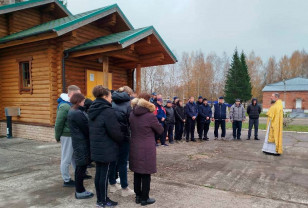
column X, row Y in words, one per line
column 269, row 27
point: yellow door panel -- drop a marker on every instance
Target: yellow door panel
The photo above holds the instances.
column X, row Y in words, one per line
column 95, row 78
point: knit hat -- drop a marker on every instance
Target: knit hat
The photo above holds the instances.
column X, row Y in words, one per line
column 204, row 99
column 175, row 97
column 160, row 99
column 221, row 98
column 169, row 101
column 154, row 93
column 200, row 97
column 237, row 100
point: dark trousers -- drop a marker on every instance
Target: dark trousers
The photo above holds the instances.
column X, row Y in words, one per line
column 168, row 131
column 204, row 128
column 160, row 137
column 101, row 181
column 221, row 123
column 80, row 172
column 121, row 165
column 237, row 129
column 142, row 183
column 255, row 123
column 190, row 128
column 199, row 126
column 179, row 128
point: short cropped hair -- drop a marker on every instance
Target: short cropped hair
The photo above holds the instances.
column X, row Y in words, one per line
column 126, row 89
column 72, row 88
column 277, row 95
column 100, row 91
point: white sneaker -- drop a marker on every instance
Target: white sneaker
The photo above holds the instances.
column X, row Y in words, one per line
column 127, row 192
column 114, row 188
column 118, row 180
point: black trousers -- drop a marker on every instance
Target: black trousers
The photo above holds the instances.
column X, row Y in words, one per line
column 142, row 183
column 80, row 172
column 204, row 127
column 101, row 181
column 179, row 128
column 255, row 123
column 199, row 126
column 190, row 128
column 237, row 129
column 221, row 123
column 168, row 131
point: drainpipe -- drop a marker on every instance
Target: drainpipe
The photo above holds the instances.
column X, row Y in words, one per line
column 63, row 72
column 133, row 80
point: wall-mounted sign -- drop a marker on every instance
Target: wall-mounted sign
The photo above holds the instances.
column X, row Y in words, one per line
column 92, row 77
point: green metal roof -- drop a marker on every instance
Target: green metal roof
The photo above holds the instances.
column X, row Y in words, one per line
column 31, row 3
column 65, row 24
column 123, row 38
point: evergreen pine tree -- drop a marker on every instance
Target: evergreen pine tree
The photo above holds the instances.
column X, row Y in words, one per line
column 233, row 81
column 245, row 83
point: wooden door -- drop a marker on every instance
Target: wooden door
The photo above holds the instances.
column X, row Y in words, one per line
column 95, row 78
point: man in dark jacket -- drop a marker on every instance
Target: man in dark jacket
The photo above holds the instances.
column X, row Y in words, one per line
column 220, row 116
column 169, row 122
column 121, row 105
column 191, row 115
column 253, row 112
column 179, row 120
column 204, row 114
column 199, row 103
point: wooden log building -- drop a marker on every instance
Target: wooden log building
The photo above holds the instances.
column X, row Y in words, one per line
column 44, row 48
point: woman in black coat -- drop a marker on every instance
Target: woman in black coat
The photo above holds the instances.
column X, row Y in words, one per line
column 78, row 122
column 105, row 138
column 121, row 105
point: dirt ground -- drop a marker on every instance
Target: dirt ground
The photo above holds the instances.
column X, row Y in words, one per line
column 207, row 174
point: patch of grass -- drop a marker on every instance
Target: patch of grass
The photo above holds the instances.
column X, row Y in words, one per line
column 298, row 128
column 209, row 186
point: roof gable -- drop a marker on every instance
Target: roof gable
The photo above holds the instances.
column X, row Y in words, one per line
column 124, row 39
column 294, row 84
column 67, row 24
column 30, row 4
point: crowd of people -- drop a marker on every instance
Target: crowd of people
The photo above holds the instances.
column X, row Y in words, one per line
column 120, row 126
column 184, row 118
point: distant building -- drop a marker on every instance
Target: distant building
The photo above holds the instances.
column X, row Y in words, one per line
column 293, row 93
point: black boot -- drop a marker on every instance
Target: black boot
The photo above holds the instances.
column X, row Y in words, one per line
column 256, row 138
column 149, row 201
column 138, row 200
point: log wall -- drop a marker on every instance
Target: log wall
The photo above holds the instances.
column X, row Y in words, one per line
column 35, row 108
column 24, row 19
column 3, row 26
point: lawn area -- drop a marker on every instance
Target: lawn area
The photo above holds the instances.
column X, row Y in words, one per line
column 298, row 128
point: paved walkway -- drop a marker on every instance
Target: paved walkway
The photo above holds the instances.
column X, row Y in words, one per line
column 208, row 174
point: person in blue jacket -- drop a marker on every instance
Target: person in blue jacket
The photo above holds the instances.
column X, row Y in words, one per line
column 220, row 115
column 191, row 111
column 160, row 113
column 204, row 115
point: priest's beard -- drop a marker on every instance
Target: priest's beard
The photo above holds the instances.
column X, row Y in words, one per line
column 273, row 101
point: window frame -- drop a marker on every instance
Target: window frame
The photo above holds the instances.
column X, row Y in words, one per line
column 25, row 90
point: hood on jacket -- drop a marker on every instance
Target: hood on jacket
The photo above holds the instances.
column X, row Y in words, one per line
column 63, row 97
column 254, row 99
column 141, row 106
column 120, row 97
column 97, row 106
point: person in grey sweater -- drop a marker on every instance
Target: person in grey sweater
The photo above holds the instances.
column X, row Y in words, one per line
column 237, row 116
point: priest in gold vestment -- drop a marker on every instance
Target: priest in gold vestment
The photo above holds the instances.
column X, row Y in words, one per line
column 273, row 138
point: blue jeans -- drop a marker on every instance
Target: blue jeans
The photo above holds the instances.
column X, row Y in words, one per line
column 122, row 166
